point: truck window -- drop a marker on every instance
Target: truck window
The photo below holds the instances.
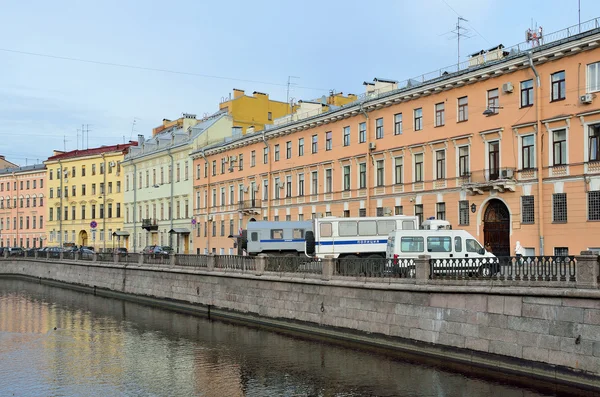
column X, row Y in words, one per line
column 385, row 227
column 347, row 228
column 439, row 244
column 297, row 233
column 277, row 234
column 325, row 229
column 367, row 228
column 411, row 244
column 473, row 245
column 457, row 244
column 408, row 225
column 254, row 236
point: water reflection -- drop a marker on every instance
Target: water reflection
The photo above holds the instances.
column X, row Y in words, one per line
column 110, row 347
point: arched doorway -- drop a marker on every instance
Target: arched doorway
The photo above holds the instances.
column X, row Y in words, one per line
column 83, row 238
column 496, row 228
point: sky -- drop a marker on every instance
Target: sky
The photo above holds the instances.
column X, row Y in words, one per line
column 216, row 46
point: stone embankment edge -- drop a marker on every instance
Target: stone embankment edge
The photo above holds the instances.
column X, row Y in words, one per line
column 473, row 360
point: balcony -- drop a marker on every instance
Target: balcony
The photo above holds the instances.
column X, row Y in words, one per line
column 250, row 207
column 149, row 224
column 498, row 179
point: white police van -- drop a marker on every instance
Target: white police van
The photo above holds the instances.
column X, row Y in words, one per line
column 451, row 251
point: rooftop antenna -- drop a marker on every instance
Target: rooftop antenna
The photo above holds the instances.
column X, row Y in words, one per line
column 460, row 32
column 135, row 119
column 289, row 85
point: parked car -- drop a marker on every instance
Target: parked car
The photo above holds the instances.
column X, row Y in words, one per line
column 156, row 250
column 121, row 251
column 86, row 253
column 166, row 249
column 15, row 251
column 1, row 251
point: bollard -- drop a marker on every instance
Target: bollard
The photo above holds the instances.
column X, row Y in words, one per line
column 172, row 259
column 35, row 254
column 261, row 264
column 586, row 270
column 95, row 257
column 76, row 255
column 116, row 257
column 141, row 259
column 210, row 262
column 61, row 255
column 423, row 268
column 328, row 266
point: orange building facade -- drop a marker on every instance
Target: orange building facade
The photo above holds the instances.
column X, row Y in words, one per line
column 490, row 148
column 23, row 206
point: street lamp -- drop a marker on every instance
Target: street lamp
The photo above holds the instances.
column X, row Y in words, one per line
column 491, row 110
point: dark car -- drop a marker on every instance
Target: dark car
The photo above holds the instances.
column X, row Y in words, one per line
column 15, row 251
column 166, row 249
column 121, row 251
column 1, row 251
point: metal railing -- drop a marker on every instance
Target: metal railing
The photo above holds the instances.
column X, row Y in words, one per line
column 105, row 257
column 130, row 257
column 293, row 264
column 375, row 267
column 530, row 268
column 191, row 260
column 156, row 259
column 235, row 262
column 488, row 175
column 69, row 255
column 249, row 204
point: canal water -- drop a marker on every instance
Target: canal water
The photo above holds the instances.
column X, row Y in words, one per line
column 59, row 342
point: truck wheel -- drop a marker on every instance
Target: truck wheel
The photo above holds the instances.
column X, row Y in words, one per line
column 310, row 242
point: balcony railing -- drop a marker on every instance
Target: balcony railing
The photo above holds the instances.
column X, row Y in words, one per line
column 249, row 206
column 500, row 179
column 149, row 224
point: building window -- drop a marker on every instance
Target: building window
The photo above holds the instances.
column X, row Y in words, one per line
column 362, row 132
column 346, row 177
column 418, row 113
column 463, row 212
column 288, row 186
column 346, row 213
column 561, row 251
column 379, row 128
column 398, row 124
column 314, row 182
column 241, row 162
column 418, row 167
column 300, row 185
column 265, row 155
column 493, row 100
column 362, row 175
column 419, row 213
column 276, row 153
column 527, row 210
column 558, row 86
column 328, row 181
column 494, row 160
column 315, row 142
column 463, row 161
column 528, row 152
column 441, row 211
column 440, row 164
column 398, row 210
column 301, row 147
column 398, row 168
column 526, row 93
column 559, row 207
column 463, row 108
column 379, row 211
column 288, row 150
column 265, row 189
column 362, row 212
column 594, row 205
column 559, row 145
column 379, row 173
column 346, row 136
column 593, row 77
column 214, row 168
column 440, row 117
column 253, row 158
column 328, row 144
column 593, row 141
column 269, row 116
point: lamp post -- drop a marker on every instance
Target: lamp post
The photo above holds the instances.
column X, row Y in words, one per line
column 491, row 110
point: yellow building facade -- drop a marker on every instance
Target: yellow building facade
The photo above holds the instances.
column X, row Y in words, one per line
column 85, row 198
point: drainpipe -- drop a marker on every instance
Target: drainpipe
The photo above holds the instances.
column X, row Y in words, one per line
column 268, row 175
column 134, row 205
column 369, row 159
column 172, row 207
column 207, row 194
column 539, row 151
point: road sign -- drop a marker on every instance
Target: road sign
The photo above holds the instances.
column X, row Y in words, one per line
column 193, row 221
column 93, row 224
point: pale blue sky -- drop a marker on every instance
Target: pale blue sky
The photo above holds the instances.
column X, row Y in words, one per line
column 329, row 45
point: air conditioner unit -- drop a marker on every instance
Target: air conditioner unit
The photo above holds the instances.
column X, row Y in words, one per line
column 372, row 146
column 232, row 158
column 507, row 88
column 210, row 218
column 319, row 215
column 256, row 188
column 387, row 211
column 506, row 174
column 112, row 164
column 586, row 98
column 280, row 185
column 245, row 189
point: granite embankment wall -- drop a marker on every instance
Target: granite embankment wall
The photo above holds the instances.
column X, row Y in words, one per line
column 551, row 331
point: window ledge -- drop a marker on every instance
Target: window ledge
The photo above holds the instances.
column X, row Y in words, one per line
column 557, row 100
column 559, row 222
column 526, row 106
column 462, row 121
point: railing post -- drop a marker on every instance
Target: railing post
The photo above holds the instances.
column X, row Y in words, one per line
column 141, row 259
column 61, row 255
column 76, row 255
column 586, row 270
column 328, row 266
column 172, row 260
column 210, row 262
column 94, row 256
column 115, row 257
column 35, row 254
column 261, row 264
column 47, row 254
column 422, row 268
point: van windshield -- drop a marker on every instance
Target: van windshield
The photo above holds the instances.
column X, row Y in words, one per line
column 473, row 245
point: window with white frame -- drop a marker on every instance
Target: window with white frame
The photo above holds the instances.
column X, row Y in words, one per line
column 362, row 175
column 594, row 205
column 300, row 185
column 288, row 150
column 314, row 189
column 301, row 147
column 398, row 124
column 328, row 180
column 288, row 186
column 398, row 170
column 380, row 164
column 558, row 86
column 559, row 147
column 315, row 143
column 559, row 207
column 265, row 189
column 593, row 77
column 418, row 116
column 493, row 100
column 276, row 188
column 440, row 211
column 362, row 132
column 528, row 152
column 276, row 152
column 379, row 128
column 463, row 108
column 526, row 93
column 418, row 159
column 440, row 117
column 347, row 136
column 328, row 140
column 463, row 161
column 440, row 164
column 528, row 210
column 463, row 212
column 593, row 142
column 346, row 180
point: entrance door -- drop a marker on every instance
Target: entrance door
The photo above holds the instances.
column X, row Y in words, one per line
column 496, row 228
column 494, row 160
column 186, row 243
column 83, row 238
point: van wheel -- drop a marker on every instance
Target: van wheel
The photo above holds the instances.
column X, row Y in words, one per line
column 485, row 271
